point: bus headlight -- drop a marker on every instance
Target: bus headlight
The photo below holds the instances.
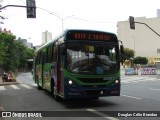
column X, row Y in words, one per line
column 117, row 81
column 70, row 82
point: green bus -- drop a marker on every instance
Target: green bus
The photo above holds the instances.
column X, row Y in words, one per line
column 79, row 64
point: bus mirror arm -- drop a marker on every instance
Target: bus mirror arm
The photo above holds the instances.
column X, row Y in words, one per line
column 63, row 51
column 121, row 47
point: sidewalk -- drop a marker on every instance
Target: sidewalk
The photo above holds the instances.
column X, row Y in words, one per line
column 6, row 83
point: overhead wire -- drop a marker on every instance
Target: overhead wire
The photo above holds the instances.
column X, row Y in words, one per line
column 73, row 17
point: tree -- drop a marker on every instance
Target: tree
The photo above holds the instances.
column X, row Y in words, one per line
column 2, row 52
column 20, row 54
column 140, row 60
column 23, row 53
column 127, row 55
column 7, row 45
column 13, row 54
column 29, row 55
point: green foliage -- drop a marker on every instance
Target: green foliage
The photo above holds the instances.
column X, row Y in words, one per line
column 13, row 54
column 5, row 44
column 2, row 53
column 140, row 60
column 29, row 53
column 128, row 54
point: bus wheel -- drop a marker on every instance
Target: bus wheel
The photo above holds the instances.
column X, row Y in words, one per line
column 57, row 98
column 39, row 87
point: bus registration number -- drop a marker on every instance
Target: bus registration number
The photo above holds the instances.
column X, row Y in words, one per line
column 108, row 78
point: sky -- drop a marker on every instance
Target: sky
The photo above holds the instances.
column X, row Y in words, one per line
column 75, row 14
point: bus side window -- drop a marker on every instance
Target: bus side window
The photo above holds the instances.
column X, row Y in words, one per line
column 44, row 58
column 41, row 58
column 55, row 54
column 37, row 59
column 47, row 55
column 52, row 53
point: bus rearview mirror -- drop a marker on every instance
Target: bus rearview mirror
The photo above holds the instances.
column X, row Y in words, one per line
column 121, row 49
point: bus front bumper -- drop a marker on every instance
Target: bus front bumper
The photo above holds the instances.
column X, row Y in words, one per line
column 91, row 92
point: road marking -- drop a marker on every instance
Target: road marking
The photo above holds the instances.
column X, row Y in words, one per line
column 2, row 88
column 34, row 84
column 145, row 80
column 26, row 86
column 133, row 78
column 101, row 114
column 155, row 89
column 15, row 87
column 131, row 97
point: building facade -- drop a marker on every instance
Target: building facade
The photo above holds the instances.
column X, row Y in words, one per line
column 158, row 12
column 25, row 43
column 142, row 40
column 46, row 37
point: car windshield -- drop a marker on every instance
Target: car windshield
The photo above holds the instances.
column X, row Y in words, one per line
column 92, row 58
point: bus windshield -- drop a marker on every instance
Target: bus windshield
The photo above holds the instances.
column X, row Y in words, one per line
column 92, row 58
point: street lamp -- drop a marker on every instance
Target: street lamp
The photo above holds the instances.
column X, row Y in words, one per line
column 62, row 19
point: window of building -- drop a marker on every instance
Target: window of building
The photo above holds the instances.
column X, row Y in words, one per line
column 158, row 50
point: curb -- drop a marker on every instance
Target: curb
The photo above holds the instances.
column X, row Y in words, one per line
column 9, row 83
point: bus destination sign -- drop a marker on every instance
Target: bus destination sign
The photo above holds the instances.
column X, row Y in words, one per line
column 91, row 36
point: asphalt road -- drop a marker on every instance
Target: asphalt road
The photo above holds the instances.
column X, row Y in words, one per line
column 138, row 94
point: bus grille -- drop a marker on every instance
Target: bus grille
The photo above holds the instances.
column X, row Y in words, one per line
column 92, row 80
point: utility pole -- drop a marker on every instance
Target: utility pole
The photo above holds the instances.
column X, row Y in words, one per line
column 62, row 19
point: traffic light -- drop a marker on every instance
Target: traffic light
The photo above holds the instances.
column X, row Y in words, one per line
column 131, row 21
column 31, row 8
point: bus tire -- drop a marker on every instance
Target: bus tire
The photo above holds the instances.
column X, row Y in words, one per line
column 39, row 87
column 57, row 98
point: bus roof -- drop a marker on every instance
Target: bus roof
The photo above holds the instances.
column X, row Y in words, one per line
column 73, row 30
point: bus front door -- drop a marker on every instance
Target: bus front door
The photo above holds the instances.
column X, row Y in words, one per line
column 59, row 70
column 43, row 65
